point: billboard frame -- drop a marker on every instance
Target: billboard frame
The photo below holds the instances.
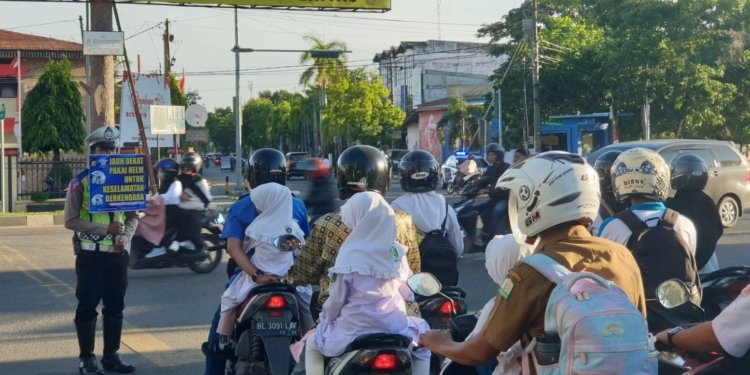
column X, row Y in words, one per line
column 217, row 5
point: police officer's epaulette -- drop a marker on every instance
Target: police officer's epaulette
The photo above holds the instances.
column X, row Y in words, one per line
column 74, row 183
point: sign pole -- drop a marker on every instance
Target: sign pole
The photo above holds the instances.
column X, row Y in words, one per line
column 2, row 163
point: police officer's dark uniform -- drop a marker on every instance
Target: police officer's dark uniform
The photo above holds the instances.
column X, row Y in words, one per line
column 101, row 243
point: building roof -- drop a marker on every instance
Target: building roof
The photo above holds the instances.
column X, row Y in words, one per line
column 406, row 45
column 36, row 46
column 443, row 103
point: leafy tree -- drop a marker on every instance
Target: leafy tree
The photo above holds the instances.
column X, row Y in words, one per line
column 256, row 130
column 463, row 120
column 323, row 71
column 52, row 113
column 359, row 110
column 220, row 127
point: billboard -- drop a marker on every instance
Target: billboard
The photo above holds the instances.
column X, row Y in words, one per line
column 167, row 119
column 429, row 138
column 152, row 90
column 382, row 5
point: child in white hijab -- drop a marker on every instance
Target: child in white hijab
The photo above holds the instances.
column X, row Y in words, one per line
column 369, row 286
column 502, row 253
column 274, row 205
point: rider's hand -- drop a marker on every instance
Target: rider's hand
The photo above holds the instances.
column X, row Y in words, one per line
column 184, row 197
column 265, row 279
column 114, row 228
column 119, row 244
column 434, row 339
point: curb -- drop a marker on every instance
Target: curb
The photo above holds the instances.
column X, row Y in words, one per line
column 32, row 221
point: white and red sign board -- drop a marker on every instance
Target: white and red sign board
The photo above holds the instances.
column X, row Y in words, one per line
column 152, row 90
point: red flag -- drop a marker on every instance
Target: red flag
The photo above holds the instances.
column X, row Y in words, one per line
column 182, row 83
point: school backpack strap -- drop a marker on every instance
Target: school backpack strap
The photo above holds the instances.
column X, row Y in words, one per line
column 634, row 223
column 445, row 219
column 547, row 266
column 669, row 219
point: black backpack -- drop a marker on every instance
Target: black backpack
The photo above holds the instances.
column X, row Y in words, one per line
column 438, row 255
column 659, row 251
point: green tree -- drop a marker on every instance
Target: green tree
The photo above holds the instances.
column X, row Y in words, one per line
column 220, row 127
column 463, row 120
column 52, row 113
column 256, row 129
column 359, row 110
column 323, row 71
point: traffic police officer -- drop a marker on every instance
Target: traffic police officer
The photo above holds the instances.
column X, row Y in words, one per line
column 101, row 243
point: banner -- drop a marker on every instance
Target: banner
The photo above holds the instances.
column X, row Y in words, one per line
column 325, row 4
column 167, row 119
column 151, row 90
column 117, row 183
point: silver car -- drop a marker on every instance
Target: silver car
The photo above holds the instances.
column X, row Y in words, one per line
column 729, row 172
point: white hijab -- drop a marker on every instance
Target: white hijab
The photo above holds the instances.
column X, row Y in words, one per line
column 502, row 253
column 274, row 203
column 371, row 248
column 426, row 209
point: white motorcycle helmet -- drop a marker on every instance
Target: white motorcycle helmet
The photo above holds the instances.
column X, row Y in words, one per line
column 548, row 189
column 640, row 172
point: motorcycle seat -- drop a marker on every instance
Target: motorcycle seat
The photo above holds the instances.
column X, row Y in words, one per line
column 378, row 340
column 454, row 291
column 273, row 287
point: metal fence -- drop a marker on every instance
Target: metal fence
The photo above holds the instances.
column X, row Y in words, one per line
column 51, row 177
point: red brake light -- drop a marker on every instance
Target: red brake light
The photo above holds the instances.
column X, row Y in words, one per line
column 747, row 178
column 276, row 302
column 385, row 362
column 448, row 308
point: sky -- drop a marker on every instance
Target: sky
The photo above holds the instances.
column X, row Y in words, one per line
column 203, row 37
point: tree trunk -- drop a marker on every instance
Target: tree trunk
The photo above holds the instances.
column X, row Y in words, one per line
column 102, row 79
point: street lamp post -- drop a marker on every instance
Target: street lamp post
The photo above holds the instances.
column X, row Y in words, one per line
column 315, row 53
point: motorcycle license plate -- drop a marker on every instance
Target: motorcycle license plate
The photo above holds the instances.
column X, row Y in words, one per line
column 276, row 328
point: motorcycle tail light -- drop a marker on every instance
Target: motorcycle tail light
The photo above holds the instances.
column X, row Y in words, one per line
column 448, row 307
column 385, row 362
column 276, row 302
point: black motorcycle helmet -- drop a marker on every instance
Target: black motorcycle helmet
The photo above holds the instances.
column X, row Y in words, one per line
column 689, row 172
column 192, row 162
column 266, row 165
column 419, row 172
column 603, row 167
column 497, row 150
column 169, row 166
column 362, row 168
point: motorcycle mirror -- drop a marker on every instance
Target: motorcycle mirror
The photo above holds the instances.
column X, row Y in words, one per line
column 673, row 293
column 424, row 284
column 287, row 242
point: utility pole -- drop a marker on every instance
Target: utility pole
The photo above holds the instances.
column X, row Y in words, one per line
column 167, row 37
column 237, row 107
column 101, row 84
column 535, row 77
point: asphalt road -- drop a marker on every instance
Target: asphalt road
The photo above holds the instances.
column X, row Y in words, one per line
column 168, row 311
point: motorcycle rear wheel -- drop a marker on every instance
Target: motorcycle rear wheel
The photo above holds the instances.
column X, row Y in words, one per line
column 214, row 257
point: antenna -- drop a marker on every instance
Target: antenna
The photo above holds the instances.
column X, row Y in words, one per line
column 439, row 25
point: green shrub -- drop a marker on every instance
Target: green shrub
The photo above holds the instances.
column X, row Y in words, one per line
column 40, row 196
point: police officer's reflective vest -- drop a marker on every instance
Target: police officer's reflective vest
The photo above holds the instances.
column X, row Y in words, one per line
column 100, row 218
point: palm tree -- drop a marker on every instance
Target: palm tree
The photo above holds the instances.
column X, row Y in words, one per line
column 323, row 70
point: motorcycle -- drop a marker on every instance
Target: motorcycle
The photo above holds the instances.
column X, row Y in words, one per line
column 468, row 212
column 198, row 262
column 439, row 308
column 721, row 287
column 674, row 295
column 382, row 353
column 458, row 183
column 460, row 327
column 267, row 323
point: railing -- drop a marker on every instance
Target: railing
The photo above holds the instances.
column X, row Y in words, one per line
column 51, row 177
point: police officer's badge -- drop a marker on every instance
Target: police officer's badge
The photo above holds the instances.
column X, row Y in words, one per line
column 394, row 252
column 289, row 230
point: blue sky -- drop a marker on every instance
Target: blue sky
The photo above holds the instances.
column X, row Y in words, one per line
column 203, row 37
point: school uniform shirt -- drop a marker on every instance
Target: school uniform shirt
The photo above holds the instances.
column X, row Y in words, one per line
column 614, row 229
column 195, row 203
column 173, row 193
column 243, row 212
column 732, row 326
column 428, row 212
column 519, row 308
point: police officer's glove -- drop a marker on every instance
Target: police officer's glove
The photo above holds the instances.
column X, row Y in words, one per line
column 114, row 228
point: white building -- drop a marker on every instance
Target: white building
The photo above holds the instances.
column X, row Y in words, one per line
column 419, row 72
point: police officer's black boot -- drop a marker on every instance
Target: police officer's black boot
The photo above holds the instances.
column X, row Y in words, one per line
column 111, row 359
column 86, row 332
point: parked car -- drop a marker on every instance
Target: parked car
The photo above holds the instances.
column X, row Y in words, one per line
column 729, row 172
column 296, row 163
column 449, row 168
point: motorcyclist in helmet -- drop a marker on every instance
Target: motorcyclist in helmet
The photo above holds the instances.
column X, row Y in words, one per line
column 195, row 197
column 495, row 214
column 689, row 178
column 419, row 175
column 265, row 165
column 610, row 205
column 170, row 190
column 359, row 168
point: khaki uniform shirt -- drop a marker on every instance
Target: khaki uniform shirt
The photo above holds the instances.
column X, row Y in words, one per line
column 328, row 233
column 519, row 309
